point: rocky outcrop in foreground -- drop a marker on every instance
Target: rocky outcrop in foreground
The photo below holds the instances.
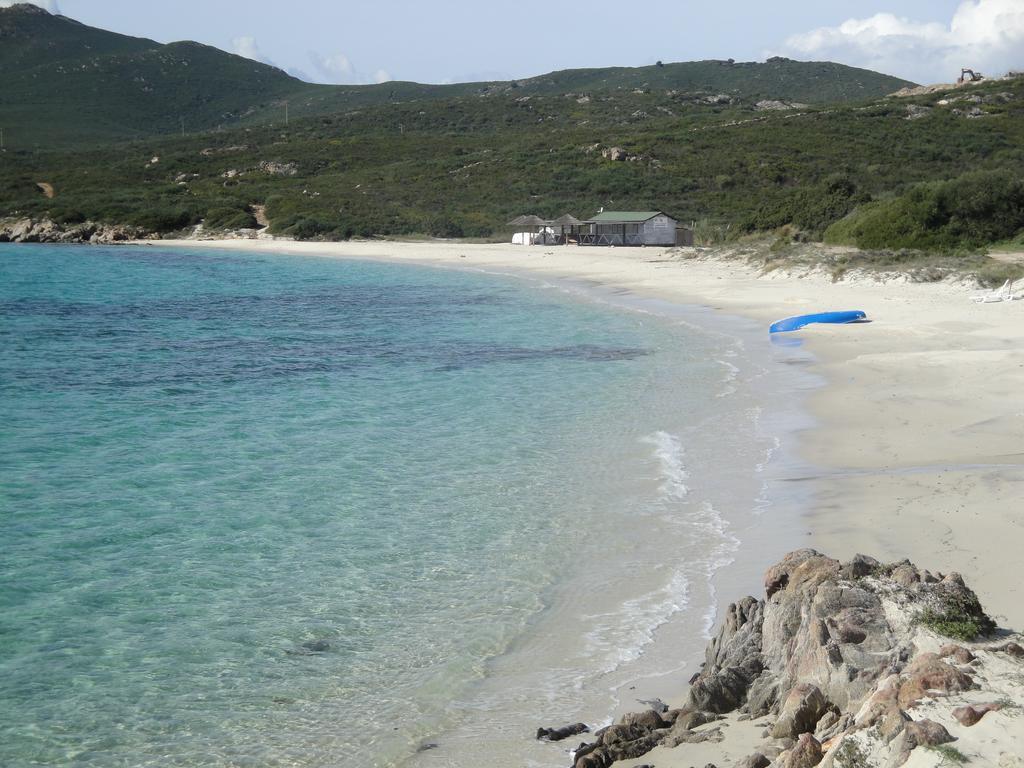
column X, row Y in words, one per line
column 48, row 231
column 848, row 667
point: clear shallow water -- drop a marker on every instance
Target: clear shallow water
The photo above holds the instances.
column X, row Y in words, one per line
column 278, row 511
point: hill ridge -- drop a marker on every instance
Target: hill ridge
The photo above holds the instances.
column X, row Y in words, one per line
column 69, row 83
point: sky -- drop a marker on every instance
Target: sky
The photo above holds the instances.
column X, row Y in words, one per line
column 360, row 41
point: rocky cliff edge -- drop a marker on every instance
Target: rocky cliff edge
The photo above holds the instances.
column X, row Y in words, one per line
column 848, row 665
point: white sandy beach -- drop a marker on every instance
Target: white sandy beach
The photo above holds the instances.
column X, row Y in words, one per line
column 918, row 444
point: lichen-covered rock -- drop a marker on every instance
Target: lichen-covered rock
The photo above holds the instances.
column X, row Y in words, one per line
column 675, row 737
column 892, row 724
column 649, row 720
column 971, row 714
column 1011, row 648
column 597, row 759
column 806, row 753
column 45, row 230
column 833, row 652
column 688, row 720
column 801, row 711
column 732, row 659
column 958, row 653
column 883, row 700
column 820, row 626
column 921, row 733
column 928, row 675
column 723, row 691
column 763, row 694
column 756, row 760
column 276, row 168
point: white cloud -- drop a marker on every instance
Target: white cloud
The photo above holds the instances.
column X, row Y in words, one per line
column 335, row 68
column 50, row 5
column 338, row 68
column 986, row 35
column 246, row 46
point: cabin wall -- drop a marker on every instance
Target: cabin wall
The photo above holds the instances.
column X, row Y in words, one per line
column 660, row 230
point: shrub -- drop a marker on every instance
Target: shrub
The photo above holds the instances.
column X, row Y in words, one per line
column 812, row 209
column 442, row 226
column 157, row 217
column 958, row 615
column 68, row 216
column 850, row 755
column 229, row 218
column 952, row 216
column 315, row 228
column 993, row 274
column 950, row 754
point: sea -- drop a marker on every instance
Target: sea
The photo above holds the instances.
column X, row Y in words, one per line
column 273, row 510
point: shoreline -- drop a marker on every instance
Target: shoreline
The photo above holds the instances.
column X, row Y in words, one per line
column 915, row 430
column 673, row 648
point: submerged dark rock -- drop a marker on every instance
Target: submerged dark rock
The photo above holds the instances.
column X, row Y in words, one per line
column 557, row 734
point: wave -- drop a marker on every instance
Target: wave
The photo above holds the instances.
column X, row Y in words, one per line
column 668, row 450
column 732, row 372
column 622, row 635
column 721, row 555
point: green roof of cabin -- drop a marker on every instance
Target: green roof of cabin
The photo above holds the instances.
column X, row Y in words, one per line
column 619, row 217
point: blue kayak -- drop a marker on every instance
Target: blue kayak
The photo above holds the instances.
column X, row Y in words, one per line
column 798, row 322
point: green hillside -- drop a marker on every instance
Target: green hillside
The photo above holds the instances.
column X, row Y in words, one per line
column 465, row 166
column 848, row 164
column 810, row 82
column 32, row 37
column 67, row 84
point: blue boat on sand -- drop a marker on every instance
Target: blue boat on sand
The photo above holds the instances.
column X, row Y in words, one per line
column 799, row 321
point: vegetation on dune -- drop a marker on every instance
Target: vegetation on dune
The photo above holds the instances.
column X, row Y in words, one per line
column 967, row 212
column 950, row 755
column 960, row 616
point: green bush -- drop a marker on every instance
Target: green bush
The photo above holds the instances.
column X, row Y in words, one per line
column 959, row 616
column 160, row 218
column 811, row 209
column 68, row 216
column 315, row 228
column 950, row 754
column 952, row 216
column 229, row 218
column 442, row 226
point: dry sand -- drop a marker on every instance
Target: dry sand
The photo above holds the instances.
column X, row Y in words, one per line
column 919, row 442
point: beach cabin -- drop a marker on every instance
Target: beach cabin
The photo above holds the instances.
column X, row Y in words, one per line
column 606, row 228
column 629, row 228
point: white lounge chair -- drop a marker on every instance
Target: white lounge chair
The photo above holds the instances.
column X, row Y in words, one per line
column 1005, row 293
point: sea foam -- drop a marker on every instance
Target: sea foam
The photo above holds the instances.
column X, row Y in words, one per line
column 668, row 450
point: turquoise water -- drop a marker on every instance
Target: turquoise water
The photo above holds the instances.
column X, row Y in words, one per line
column 281, row 511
